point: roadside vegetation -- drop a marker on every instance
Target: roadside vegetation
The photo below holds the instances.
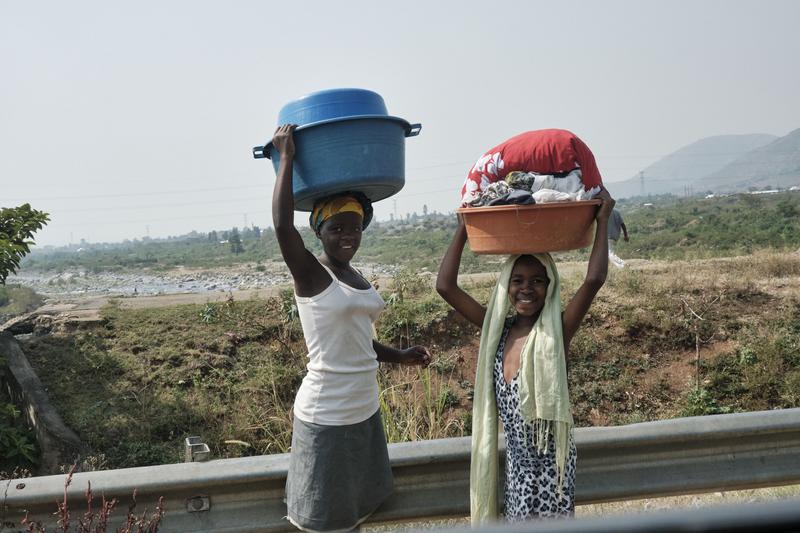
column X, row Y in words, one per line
column 663, row 339
column 18, row 449
column 711, row 227
column 16, row 300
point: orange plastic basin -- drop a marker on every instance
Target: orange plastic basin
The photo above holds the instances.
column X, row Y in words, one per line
column 528, row 229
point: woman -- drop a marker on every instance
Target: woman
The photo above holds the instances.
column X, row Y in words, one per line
column 521, row 377
column 339, row 466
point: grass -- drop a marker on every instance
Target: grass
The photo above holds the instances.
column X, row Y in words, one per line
column 136, row 386
column 696, row 228
column 681, row 333
column 662, row 340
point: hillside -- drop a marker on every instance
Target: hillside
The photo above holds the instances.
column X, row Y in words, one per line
column 672, row 173
column 775, row 165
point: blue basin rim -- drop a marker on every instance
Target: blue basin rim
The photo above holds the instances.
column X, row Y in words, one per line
column 332, row 103
column 410, row 130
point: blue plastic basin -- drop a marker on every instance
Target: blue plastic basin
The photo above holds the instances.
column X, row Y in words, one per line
column 331, row 104
column 363, row 151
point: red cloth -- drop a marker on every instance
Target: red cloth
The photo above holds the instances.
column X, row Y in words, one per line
column 549, row 151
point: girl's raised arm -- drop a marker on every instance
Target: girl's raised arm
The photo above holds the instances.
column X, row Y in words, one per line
column 447, row 280
column 308, row 274
column 595, row 275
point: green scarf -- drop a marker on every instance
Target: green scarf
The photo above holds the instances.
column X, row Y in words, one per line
column 544, row 397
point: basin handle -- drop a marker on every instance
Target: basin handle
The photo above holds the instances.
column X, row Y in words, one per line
column 260, row 152
column 413, row 130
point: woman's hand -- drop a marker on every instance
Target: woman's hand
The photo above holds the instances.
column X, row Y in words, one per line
column 416, row 355
column 283, row 140
column 607, row 206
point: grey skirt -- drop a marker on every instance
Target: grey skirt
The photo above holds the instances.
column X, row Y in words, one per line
column 338, row 475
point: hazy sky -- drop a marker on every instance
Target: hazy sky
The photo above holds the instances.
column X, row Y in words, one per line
column 121, row 119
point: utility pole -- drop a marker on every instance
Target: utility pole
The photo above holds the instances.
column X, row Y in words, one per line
column 641, row 181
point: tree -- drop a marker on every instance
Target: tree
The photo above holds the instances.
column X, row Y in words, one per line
column 236, row 242
column 17, row 226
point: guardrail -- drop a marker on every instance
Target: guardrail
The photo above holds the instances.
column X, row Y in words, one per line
column 681, row 456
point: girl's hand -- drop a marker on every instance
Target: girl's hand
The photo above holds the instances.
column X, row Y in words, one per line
column 416, row 355
column 607, row 206
column 283, row 140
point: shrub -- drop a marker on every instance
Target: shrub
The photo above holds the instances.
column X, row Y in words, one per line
column 699, row 401
column 18, row 448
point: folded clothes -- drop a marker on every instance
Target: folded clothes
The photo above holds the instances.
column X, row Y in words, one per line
column 531, row 181
column 545, row 196
column 493, row 191
column 514, row 196
column 528, row 187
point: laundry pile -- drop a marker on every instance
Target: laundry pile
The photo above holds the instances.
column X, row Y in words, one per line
column 539, row 166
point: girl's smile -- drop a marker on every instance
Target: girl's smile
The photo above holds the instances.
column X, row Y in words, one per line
column 527, row 288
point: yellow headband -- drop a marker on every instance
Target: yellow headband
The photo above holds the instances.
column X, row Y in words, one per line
column 341, row 204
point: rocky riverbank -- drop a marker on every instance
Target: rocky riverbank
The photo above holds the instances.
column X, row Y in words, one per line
column 79, row 282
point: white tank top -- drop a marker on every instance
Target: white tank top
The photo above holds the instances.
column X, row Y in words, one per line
column 341, row 385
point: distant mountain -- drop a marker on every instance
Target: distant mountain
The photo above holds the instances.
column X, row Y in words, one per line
column 686, row 166
column 776, row 164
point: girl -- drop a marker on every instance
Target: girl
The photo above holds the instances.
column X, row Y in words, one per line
column 339, row 466
column 521, row 377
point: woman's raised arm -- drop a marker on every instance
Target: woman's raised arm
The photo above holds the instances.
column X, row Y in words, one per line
column 595, row 274
column 447, row 280
column 308, row 274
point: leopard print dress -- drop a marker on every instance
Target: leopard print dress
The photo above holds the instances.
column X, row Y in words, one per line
column 531, row 489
